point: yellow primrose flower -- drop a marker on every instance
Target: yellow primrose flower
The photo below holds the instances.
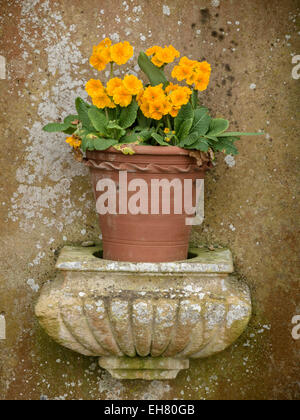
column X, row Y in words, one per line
column 173, row 50
column 167, row 130
column 74, row 142
column 202, row 82
column 153, row 93
column 170, row 88
column 145, row 108
column 105, row 43
column 133, row 84
column 166, row 106
column 161, row 56
column 180, row 97
column 174, row 111
column 182, row 72
column 121, row 52
column 152, row 50
column 157, row 62
column 101, row 57
column 167, row 55
column 112, row 85
column 122, row 97
column 187, row 62
column 94, row 87
column 156, row 110
column 103, row 101
column 204, row 67
column 140, row 96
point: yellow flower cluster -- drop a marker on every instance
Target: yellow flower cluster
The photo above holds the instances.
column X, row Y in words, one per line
column 106, row 53
column 162, row 56
column 99, row 94
column 155, row 102
column 117, row 91
column 194, row 72
column 74, row 142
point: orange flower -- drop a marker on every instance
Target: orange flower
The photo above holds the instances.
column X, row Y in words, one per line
column 167, row 55
column 122, row 97
column 94, row 87
column 154, row 92
column 156, row 110
column 152, row 50
column 202, row 81
column 180, row 96
column 101, row 56
column 121, row 52
column 112, row 85
column 157, row 62
column 174, row 111
column 133, row 84
column 182, row 72
column 103, row 101
column 162, row 56
column 74, row 142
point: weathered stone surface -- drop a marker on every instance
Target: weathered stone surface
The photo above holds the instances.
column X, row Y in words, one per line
column 194, row 310
column 143, row 368
column 251, row 199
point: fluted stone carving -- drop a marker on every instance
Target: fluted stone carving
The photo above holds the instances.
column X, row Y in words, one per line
column 144, row 320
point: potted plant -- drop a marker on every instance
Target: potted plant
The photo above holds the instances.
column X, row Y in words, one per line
column 142, row 135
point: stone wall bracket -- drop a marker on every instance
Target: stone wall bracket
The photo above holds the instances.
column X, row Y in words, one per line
column 144, row 321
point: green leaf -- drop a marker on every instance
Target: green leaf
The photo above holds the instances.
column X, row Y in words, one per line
column 113, row 125
column 192, row 138
column 201, row 121
column 128, row 115
column 200, row 145
column 86, row 142
column 98, row 119
column 146, row 134
column 213, row 138
column 226, row 145
column 236, row 134
column 185, row 113
column 114, row 130
column 185, row 128
column 103, row 144
column 155, row 75
column 159, row 139
column 126, row 150
column 70, row 118
column 218, row 126
column 70, row 130
column 112, row 114
column 195, row 98
column 142, row 120
column 82, row 109
column 130, row 138
column 55, row 127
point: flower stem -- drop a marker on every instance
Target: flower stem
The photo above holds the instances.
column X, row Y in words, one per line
column 169, row 122
column 111, row 69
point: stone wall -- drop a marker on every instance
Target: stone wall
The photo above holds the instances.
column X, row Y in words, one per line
column 251, row 201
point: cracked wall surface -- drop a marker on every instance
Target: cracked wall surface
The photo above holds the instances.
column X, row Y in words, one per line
column 46, row 200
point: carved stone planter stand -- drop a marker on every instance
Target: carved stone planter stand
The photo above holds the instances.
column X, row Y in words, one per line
column 144, row 321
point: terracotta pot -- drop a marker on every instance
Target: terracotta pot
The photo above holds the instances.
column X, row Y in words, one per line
column 144, row 237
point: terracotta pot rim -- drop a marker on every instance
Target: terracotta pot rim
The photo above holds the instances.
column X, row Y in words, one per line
column 152, row 150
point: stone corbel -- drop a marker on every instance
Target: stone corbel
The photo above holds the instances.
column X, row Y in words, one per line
column 144, row 321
